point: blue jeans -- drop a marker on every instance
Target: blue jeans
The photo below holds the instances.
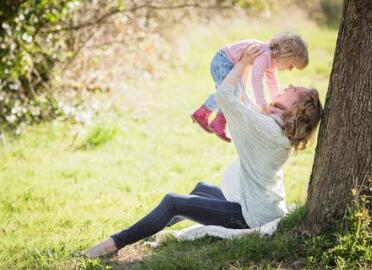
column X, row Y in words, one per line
column 206, row 205
column 221, row 65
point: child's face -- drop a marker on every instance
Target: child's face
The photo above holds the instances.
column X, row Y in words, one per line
column 284, row 64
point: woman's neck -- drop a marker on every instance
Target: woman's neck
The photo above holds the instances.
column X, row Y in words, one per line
column 278, row 119
column 276, row 114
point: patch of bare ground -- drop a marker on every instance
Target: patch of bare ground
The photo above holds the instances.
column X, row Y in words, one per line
column 130, row 255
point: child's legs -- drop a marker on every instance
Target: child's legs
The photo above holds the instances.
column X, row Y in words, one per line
column 221, row 65
column 203, row 210
column 211, row 103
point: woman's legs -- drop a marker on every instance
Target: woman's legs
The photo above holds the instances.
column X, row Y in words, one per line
column 202, row 189
column 207, row 190
column 207, row 211
column 214, row 210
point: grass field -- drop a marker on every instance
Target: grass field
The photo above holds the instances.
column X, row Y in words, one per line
column 60, row 196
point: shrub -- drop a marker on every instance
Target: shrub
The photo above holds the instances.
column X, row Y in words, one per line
column 28, row 54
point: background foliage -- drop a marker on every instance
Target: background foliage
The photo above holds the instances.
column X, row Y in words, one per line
column 28, row 54
column 54, row 51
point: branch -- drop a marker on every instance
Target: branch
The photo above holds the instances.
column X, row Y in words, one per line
column 82, row 45
column 114, row 11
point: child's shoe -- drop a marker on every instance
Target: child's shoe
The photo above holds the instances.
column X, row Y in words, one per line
column 218, row 126
column 200, row 116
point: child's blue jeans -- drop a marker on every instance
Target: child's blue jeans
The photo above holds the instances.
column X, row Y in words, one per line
column 206, row 205
column 221, row 65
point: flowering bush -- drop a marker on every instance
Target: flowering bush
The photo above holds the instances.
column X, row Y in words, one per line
column 28, row 54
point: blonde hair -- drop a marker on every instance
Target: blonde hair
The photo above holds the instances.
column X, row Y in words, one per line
column 290, row 46
column 301, row 121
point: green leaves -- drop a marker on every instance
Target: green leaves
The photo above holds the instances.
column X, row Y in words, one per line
column 28, row 54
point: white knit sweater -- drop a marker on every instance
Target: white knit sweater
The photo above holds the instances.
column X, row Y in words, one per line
column 263, row 149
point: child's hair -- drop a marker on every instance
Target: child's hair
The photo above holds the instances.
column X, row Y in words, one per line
column 301, row 121
column 290, row 46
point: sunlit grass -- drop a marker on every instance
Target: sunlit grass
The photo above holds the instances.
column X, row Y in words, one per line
column 58, row 199
column 98, row 135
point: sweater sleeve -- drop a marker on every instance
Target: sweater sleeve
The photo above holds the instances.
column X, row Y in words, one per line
column 245, row 122
column 272, row 82
column 258, row 70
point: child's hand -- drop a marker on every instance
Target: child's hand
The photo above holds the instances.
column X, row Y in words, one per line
column 250, row 53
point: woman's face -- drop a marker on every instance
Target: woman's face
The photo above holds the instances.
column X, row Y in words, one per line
column 290, row 96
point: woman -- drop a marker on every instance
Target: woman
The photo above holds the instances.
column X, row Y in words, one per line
column 252, row 191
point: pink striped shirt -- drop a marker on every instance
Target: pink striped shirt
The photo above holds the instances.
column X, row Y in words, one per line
column 262, row 67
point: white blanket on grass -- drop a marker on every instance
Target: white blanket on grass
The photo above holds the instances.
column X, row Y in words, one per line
column 199, row 231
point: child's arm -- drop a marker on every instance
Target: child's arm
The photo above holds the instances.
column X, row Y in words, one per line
column 258, row 71
column 272, row 82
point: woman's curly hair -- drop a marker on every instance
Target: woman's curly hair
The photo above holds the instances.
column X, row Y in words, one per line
column 290, row 46
column 301, row 121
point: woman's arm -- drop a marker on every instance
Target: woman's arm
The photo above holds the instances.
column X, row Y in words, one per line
column 243, row 119
column 247, row 59
column 233, row 77
column 240, row 70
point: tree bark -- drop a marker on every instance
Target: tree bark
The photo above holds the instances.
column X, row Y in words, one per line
column 343, row 153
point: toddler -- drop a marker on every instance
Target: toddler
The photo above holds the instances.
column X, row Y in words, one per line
column 283, row 52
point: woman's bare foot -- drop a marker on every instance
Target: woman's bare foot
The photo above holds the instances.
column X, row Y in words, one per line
column 101, row 249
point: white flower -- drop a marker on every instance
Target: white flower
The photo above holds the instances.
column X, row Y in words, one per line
column 11, row 118
column 27, row 37
column 15, row 85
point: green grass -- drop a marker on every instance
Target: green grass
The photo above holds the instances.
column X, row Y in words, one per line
column 98, row 135
column 61, row 195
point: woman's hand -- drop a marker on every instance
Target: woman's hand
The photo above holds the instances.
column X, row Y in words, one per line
column 250, row 53
column 270, row 109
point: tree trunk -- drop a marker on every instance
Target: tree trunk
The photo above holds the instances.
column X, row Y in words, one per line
column 343, row 153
